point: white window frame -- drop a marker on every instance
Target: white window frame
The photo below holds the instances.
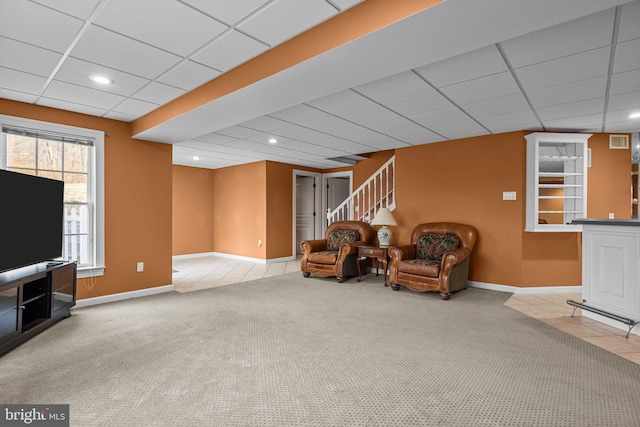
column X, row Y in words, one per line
column 96, row 180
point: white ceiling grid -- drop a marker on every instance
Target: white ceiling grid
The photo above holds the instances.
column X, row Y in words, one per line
column 579, row 75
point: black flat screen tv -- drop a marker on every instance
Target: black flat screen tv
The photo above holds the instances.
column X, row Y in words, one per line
column 31, row 219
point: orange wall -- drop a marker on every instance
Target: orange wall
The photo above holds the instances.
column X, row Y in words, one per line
column 463, row 181
column 460, row 181
column 137, row 203
column 192, row 219
column 239, row 219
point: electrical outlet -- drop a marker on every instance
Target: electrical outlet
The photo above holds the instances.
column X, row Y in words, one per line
column 140, row 267
column 612, row 215
column 508, row 195
column 259, row 243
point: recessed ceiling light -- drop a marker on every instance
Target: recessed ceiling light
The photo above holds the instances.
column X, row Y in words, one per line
column 196, row 158
column 101, row 80
column 273, row 141
column 634, row 115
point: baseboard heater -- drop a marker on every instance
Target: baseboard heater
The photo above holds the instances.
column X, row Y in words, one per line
column 629, row 322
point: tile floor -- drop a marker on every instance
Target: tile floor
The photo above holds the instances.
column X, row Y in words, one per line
column 210, row 271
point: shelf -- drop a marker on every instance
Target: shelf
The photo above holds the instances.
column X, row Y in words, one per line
column 559, row 186
column 34, row 298
column 559, row 197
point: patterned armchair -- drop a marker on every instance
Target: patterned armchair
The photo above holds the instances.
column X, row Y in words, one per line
column 336, row 254
column 436, row 260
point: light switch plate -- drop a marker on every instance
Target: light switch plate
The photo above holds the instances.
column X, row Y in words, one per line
column 508, row 195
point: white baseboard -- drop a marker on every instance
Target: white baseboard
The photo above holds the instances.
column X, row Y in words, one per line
column 86, row 302
column 517, row 290
column 238, row 257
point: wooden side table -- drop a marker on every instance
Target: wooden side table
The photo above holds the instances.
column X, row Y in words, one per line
column 378, row 253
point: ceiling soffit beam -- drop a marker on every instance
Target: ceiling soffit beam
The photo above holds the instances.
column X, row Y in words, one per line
column 360, row 20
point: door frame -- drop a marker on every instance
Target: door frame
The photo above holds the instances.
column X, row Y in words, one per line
column 318, row 229
column 325, row 178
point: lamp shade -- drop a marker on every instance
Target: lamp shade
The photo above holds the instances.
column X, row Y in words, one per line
column 383, row 217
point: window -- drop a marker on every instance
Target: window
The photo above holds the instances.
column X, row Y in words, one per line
column 556, row 181
column 75, row 156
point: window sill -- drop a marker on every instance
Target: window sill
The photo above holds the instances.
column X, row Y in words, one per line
column 90, row 271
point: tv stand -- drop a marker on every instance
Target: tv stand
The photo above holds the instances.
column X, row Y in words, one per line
column 33, row 298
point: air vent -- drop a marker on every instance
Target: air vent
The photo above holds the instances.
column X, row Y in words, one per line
column 619, row 142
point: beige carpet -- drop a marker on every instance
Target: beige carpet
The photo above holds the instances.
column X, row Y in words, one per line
column 288, row 351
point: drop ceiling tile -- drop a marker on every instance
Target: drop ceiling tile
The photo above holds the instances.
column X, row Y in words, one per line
column 416, row 136
column 508, row 122
column 82, row 95
column 120, row 116
column 21, row 82
column 622, row 116
column 622, row 126
column 369, row 114
column 575, row 124
column 329, row 124
column 135, row 107
column 263, row 138
column 284, row 19
column 502, row 127
column 229, row 51
column 79, row 8
column 188, row 75
column 299, row 114
column 629, row 22
column 440, row 117
column 630, row 100
column 392, row 87
column 15, row 95
column 265, row 124
column 395, row 126
column 423, row 102
column 383, row 142
column 494, row 86
column 296, row 132
column 328, row 141
column 625, row 82
column 571, row 92
column 214, row 138
column 341, row 102
column 38, row 25
column 462, row 129
column 228, row 11
column 70, row 106
column 24, row 57
column 238, row 132
column 346, row 4
column 573, row 109
column 78, row 71
column 469, row 66
column 627, row 56
column 266, row 148
column 569, row 69
column 496, row 106
column 158, row 22
column 158, row 93
column 357, row 134
column 580, row 35
column 118, row 52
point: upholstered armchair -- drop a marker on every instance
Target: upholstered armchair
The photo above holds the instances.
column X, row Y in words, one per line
column 436, row 260
column 336, row 254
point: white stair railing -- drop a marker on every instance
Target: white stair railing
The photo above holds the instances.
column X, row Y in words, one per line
column 375, row 193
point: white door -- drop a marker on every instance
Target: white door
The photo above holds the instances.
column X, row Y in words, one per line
column 305, row 210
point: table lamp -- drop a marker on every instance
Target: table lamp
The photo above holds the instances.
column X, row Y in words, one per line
column 383, row 217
